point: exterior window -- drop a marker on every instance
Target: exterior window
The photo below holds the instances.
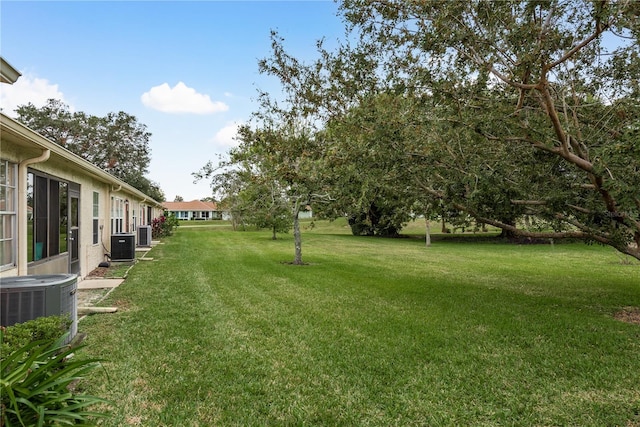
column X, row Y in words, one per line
column 117, row 215
column 64, row 216
column 7, row 214
column 96, row 215
column 47, row 216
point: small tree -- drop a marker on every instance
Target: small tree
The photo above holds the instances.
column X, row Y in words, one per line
column 249, row 197
column 288, row 161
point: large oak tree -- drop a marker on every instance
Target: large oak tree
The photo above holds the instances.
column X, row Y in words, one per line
column 519, row 107
column 533, row 107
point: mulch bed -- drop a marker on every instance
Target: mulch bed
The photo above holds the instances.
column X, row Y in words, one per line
column 98, row 272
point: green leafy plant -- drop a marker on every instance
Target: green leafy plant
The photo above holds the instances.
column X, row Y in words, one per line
column 164, row 225
column 37, row 386
column 42, row 328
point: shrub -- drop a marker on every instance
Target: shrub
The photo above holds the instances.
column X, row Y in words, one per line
column 36, row 384
column 42, row 328
column 163, row 225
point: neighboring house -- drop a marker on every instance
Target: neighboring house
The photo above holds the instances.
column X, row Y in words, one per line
column 199, row 210
column 57, row 210
column 193, row 210
column 306, row 213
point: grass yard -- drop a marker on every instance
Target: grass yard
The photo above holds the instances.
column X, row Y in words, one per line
column 219, row 330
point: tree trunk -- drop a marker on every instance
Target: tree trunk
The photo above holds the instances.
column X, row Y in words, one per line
column 428, row 231
column 508, row 234
column 297, row 239
column 274, row 237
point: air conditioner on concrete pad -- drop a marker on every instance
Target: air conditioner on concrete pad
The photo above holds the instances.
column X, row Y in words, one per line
column 144, row 235
column 123, row 247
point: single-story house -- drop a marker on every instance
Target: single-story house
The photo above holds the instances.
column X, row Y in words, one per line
column 199, row 210
column 57, row 210
column 193, row 210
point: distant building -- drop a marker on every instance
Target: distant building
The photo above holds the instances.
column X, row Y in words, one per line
column 193, row 210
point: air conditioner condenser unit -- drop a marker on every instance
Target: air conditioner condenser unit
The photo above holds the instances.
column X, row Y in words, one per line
column 25, row 298
column 144, row 235
column 123, row 247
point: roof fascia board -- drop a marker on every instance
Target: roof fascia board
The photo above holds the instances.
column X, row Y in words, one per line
column 8, row 74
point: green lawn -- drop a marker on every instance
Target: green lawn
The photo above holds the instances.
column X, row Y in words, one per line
column 219, row 330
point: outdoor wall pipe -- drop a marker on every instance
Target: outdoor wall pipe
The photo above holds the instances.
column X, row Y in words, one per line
column 22, row 208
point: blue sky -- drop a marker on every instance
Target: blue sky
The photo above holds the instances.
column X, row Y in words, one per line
column 187, row 70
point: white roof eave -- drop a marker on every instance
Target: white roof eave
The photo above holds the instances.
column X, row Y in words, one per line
column 8, row 74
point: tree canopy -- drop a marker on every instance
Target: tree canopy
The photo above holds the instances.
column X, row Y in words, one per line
column 116, row 143
column 491, row 110
column 248, row 195
column 273, row 175
column 532, row 107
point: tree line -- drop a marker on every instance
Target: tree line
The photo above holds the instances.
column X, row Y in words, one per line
column 116, row 143
column 523, row 115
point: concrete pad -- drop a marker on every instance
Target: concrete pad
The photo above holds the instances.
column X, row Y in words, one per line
column 99, row 283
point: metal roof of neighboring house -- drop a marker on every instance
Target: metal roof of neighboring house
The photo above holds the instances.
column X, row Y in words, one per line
column 194, row 205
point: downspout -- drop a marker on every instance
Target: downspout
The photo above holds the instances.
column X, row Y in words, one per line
column 22, row 208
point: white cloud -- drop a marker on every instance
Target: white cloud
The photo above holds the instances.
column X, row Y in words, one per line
column 28, row 89
column 225, row 136
column 181, row 99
